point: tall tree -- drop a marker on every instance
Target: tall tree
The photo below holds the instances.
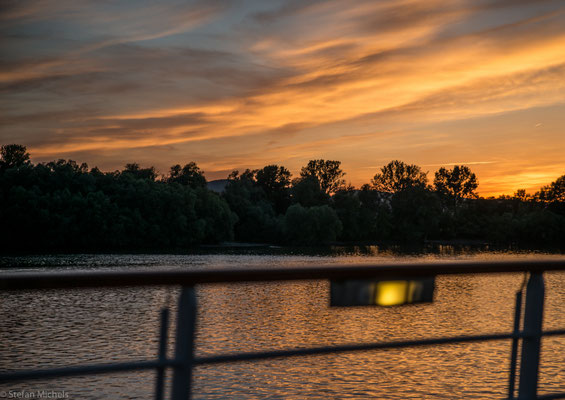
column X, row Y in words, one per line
column 521, row 195
column 397, row 176
column 554, row 191
column 558, row 189
column 273, row 178
column 327, row 172
column 13, row 155
column 140, row 173
column 257, row 220
column 275, row 182
column 415, row 214
column 456, row 183
column 189, row 175
column 246, row 176
column 307, row 192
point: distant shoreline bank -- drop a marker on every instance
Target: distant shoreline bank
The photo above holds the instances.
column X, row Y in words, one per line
column 340, row 248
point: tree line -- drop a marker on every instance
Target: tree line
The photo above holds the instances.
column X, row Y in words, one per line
column 63, row 206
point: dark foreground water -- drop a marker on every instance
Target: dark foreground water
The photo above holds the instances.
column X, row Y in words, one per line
column 64, row 327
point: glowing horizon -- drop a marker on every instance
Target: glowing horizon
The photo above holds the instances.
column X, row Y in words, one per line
column 234, row 87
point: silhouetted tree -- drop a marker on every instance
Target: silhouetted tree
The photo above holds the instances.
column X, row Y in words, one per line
column 247, row 176
column 521, row 195
column 416, row 213
column 275, row 182
column 257, row 220
column 376, row 214
column 328, row 172
column 216, row 216
column 397, row 176
column 456, row 184
column 347, row 205
column 13, row 155
column 189, row 175
column 554, row 191
column 140, row 173
column 554, row 195
column 307, row 192
column 311, row 225
column 558, row 189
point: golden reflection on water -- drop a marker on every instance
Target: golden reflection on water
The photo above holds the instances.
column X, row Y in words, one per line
column 55, row 328
column 296, row 315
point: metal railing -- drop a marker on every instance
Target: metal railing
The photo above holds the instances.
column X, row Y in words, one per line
column 184, row 359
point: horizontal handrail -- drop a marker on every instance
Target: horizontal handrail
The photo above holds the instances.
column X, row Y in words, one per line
column 91, row 279
column 362, row 347
column 348, row 348
column 261, row 355
column 84, row 370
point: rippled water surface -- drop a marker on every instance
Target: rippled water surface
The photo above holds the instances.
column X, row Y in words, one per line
column 64, row 327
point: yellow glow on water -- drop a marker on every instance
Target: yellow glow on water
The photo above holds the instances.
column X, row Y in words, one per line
column 391, row 293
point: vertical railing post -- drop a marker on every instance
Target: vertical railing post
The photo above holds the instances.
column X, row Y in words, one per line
column 531, row 343
column 184, row 345
column 163, row 337
column 515, row 340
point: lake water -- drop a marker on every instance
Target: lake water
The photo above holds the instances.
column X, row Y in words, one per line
column 69, row 327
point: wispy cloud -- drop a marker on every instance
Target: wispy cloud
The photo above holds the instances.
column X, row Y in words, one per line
column 459, row 163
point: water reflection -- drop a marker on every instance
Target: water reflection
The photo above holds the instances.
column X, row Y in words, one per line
column 55, row 328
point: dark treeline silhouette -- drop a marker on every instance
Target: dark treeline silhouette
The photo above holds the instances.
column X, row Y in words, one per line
column 65, row 206
column 61, row 205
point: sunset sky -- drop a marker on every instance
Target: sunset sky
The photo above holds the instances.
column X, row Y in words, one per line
column 244, row 84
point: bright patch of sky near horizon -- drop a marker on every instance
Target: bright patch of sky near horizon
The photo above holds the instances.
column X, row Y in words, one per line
column 244, row 84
